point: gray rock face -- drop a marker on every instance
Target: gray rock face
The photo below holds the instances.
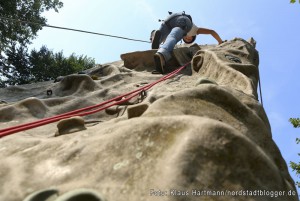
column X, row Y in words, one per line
column 200, row 135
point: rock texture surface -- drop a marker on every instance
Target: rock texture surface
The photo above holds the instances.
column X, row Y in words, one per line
column 196, row 134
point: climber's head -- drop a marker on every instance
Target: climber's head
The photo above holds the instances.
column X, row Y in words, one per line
column 189, row 39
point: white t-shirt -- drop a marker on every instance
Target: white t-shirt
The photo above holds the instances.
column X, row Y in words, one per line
column 193, row 31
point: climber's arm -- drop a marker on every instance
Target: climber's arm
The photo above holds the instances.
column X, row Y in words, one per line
column 211, row 32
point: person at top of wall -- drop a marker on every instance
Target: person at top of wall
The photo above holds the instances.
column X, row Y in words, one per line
column 175, row 27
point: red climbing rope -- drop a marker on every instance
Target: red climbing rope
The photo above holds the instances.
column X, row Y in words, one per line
column 87, row 110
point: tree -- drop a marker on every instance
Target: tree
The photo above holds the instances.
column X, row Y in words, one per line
column 19, row 67
column 293, row 1
column 19, row 33
column 16, row 66
column 20, row 20
column 16, row 35
column 46, row 65
column 293, row 165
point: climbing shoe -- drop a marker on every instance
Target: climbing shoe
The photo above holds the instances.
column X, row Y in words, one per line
column 160, row 63
column 155, row 39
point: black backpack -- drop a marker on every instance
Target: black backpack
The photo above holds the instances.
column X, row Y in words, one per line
column 172, row 15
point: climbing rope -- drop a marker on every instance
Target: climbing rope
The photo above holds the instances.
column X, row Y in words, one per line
column 71, row 29
column 260, row 93
column 90, row 109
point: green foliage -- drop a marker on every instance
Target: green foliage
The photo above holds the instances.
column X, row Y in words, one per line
column 14, row 66
column 293, row 165
column 293, row 1
column 47, row 65
column 43, row 64
column 20, row 33
column 296, row 167
column 16, row 35
column 295, row 122
column 17, row 66
column 21, row 68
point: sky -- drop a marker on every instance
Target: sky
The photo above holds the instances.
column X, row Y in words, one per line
column 275, row 25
